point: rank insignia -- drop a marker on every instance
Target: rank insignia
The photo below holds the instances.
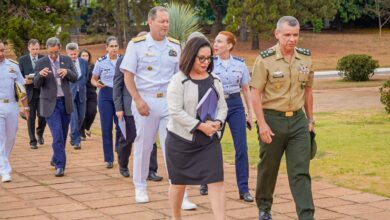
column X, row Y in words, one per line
column 150, row 68
column 12, row 70
column 172, row 53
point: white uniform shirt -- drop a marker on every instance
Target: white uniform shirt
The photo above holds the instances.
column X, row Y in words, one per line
column 152, row 63
column 9, row 73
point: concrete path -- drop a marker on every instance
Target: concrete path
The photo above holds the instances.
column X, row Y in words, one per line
column 90, row 191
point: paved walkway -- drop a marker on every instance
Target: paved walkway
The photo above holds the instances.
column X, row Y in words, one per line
column 90, row 191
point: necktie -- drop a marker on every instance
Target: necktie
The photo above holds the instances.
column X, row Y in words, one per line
column 34, row 60
column 77, row 69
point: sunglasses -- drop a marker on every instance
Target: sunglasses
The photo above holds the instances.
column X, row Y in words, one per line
column 203, row 59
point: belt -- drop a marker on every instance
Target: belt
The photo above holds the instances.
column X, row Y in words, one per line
column 282, row 114
column 154, row 95
column 233, row 95
column 6, row 100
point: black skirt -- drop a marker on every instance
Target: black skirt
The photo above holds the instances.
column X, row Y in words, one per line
column 194, row 163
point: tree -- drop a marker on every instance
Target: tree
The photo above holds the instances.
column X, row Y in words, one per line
column 217, row 6
column 25, row 19
column 349, row 10
column 236, row 18
column 114, row 17
column 315, row 11
column 381, row 9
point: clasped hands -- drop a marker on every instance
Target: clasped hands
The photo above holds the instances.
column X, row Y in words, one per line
column 209, row 128
column 61, row 72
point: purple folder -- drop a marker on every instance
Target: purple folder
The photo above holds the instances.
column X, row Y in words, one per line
column 207, row 106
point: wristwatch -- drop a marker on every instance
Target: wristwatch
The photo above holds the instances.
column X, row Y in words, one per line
column 312, row 121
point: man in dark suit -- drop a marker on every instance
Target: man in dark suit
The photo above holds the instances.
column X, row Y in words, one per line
column 122, row 102
column 53, row 74
column 27, row 65
column 78, row 95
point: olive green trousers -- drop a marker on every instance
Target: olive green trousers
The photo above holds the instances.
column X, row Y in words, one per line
column 291, row 136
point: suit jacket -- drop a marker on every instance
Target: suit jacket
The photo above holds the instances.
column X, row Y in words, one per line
column 48, row 85
column 25, row 65
column 122, row 97
column 81, row 83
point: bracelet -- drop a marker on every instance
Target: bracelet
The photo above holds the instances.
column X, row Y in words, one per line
column 27, row 108
column 312, row 121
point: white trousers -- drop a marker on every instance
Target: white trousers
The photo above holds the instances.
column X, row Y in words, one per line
column 8, row 127
column 147, row 128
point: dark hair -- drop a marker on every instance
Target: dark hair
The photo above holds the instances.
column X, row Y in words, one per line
column 32, row 42
column 89, row 54
column 111, row 38
column 190, row 52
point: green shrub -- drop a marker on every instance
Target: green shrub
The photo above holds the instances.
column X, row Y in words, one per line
column 357, row 67
column 385, row 95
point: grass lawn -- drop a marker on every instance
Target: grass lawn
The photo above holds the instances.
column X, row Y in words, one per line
column 353, row 150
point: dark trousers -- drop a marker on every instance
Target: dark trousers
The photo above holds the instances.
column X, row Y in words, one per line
column 237, row 124
column 125, row 145
column 107, row 117
column 77, row 119
column 291, row 136
column 58, row 123
column 90, row 113
column 34, row 112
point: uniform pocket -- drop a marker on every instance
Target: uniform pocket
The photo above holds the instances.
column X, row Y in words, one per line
column 303, row 77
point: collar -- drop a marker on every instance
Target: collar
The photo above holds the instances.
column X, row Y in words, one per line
column 53, row 61
column 218, row 60
column 31, row 57
column 279, row 54
column 151, row 42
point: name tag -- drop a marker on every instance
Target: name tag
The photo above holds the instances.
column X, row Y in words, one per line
column 277, row 74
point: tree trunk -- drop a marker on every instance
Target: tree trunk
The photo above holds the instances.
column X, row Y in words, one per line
column 217, row 26
column 255, row 41
column 243, row 28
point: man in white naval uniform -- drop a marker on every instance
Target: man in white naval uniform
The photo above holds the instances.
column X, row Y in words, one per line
column 149, row 63
column 9, row 75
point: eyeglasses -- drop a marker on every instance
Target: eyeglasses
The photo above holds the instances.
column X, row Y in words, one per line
column 203, row 59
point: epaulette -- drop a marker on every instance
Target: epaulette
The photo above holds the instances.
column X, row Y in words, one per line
column 102, row 58
column 239, row 59
column 138, row 39
column 13, row 61
column 303, row 51
column 173, row 40
column 267, row 53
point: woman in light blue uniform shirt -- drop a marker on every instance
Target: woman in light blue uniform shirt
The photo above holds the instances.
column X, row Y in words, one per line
column 103, row 78
column 235, row 76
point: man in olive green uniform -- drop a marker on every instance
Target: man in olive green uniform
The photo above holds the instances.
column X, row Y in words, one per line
column 281, row 85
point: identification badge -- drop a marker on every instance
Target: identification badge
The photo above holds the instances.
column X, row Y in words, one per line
column 277, row 74
column 172, row 53
column 149, row 54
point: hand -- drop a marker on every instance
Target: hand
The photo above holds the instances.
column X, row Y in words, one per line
column 142, row 107
column 29, row 82
column 62, row 72
column 215, row 124
column 207, row 128
column 120, row 114
column 26, row 113
column 99, row 85
column 249, row 119
column 311, row 127
column 265, row 133
column 44, row 72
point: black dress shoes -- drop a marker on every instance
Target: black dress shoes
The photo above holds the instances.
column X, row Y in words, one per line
column 71, row 143
column 247, row 197
column 41, row 141
column 109, row 165
column 265, row 215
column 203, row 190
column 124, row 172
column 33, row 146
column 154, row 177
column 77, row 146
column 59, row 172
